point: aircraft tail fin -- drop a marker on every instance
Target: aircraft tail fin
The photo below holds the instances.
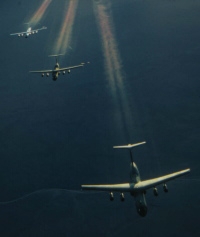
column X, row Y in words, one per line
column 130, row 146
column 56, row 56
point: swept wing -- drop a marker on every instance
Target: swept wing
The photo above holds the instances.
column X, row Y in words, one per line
column 42, row 71
column 43, row 28
column 19, row 33
column 138, row 187
column 68, row 68
column 125, row 187
column 144, row 185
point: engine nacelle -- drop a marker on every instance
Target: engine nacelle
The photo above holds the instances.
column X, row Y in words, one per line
column 122, row 198
column 22, row 34
column 68, row 71
column 165, row 188
column 155, row 192
column 42, row 74
column 47, row 74
column 19, row 35
column 63, row 72
column 36, row 31
column 33, row 32
column 111, row 196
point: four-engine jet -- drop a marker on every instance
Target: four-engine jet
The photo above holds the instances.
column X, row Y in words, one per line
column 57, row 70
column 136, row 187
column 29, row 32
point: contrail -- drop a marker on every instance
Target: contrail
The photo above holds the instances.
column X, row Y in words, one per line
column 37, row 16
column 63, row 41
column 113, row 65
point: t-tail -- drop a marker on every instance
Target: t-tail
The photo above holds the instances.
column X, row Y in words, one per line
column 134, row 172
column 56, row 56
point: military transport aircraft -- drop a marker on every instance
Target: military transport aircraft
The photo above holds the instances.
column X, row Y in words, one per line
column 29, row 32
column 57, row 70
column 136, row 187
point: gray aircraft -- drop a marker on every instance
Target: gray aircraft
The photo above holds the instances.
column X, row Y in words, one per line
column 29, row 32
column 136, row 187
column 57, row 70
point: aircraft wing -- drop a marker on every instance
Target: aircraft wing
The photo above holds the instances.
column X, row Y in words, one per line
column 43, row 28
column 138, row 187
column 68, row 68
column 126, row 187
column 42, row 71
column 144, row 185
column 19, row 33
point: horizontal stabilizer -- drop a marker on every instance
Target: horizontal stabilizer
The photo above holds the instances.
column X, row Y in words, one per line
column 56, row 55
column 129, row 146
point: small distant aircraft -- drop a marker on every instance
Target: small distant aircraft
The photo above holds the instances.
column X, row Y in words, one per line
column 29, row 32
column 57, row 70
column 136, row 187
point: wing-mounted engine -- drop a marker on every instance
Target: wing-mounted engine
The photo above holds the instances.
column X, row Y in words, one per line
column 42, row 75
column 63, row 72
column 111, row 196
column 165, row 188
column 68, row 71
column 155, row 192
column 47, row 74
column 122, row 197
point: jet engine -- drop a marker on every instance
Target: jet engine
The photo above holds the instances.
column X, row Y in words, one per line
column 36, row 31
column 19, row 35
column 122, row 198
column 47, row 74
column 165, row 188
column 111, row 196
column 63, row 73
column 155, row 192
column 22, row 34
column 68, row 71
column 42, row 75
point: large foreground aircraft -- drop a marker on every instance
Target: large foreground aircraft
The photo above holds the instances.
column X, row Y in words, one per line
column 57, row 70
column 29, row 32
column 136, row 187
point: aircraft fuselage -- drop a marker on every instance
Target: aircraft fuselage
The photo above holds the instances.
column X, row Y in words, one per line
column 55, row 74
column 140, row 200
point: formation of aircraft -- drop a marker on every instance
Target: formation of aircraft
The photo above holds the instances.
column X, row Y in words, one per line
column 136, row 187
column 57, row 70
column 29, row 32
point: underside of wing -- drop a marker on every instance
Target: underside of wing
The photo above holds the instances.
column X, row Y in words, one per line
column 69, row 68
column 43, row 28
column 42, row 71
column 144, row 185
column 126, row 187
column 19, row 33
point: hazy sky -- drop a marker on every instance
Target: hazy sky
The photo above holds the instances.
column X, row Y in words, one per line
column 142, row 83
